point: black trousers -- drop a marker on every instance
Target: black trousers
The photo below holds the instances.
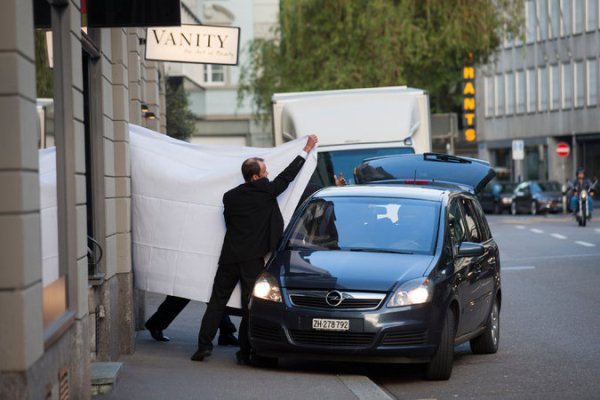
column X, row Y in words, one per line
column 172, row 306
column 228, row 275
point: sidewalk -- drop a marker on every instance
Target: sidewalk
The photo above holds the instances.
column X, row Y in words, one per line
column 160, row 370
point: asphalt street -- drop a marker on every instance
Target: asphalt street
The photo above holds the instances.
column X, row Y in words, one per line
column 549, row 340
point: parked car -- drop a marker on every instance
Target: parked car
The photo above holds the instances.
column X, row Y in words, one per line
column 536, row 197
column 496, row 196
column 400, row 269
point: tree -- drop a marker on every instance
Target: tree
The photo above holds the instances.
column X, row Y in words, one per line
column 338, row 44
column 181, row 123
column 43, row 74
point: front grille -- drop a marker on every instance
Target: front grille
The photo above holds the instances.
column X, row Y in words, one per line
column 270, row 333
column 404, row 338
column 350, row 300
column 332, row 339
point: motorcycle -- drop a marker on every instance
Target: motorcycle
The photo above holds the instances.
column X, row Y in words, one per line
column 582, row 213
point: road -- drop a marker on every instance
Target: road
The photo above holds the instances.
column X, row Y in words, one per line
column 550, row 323
column 549, row 340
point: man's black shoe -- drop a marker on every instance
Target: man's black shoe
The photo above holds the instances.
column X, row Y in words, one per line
column 157, row 334
column 243, row 358
column 228, row 340
column 200, row 354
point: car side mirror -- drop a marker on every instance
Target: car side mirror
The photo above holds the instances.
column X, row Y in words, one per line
column 470, row 249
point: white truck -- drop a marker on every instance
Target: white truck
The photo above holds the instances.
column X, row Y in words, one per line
column 353, row 125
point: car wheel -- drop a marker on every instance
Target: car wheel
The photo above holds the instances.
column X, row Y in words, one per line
column 489, row 340
column 533, row 208
column 440, row 366
column 513, row 208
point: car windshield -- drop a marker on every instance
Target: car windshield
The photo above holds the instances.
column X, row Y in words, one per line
column 375, row 224
column 343, row 162
column 538, row 187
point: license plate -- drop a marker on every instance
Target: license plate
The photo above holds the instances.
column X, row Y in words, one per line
column 330, row 324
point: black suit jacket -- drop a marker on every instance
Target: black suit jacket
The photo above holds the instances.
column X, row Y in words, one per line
column 252, row 216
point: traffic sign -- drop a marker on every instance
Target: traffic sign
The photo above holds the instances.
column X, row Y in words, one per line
column 518, row 150
column 562, row 149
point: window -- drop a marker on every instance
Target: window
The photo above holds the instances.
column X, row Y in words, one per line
column 543, row 19
column 543, row 88
column 214, row 74
column 456, row 225
column 579, row 16
column 499, row 90
column 510, row 93
column 473, row 233
column 530, row 21
column 489, row 96
column 555, row 87
column 486, row 233
column 532, row 90
column 592, row 15
column 567, row 17
column 567, row 84
column 554, row 19
column 521, row 91
column 579, row 84
column 592, row 82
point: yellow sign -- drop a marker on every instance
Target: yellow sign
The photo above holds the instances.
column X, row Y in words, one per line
column 469, row 103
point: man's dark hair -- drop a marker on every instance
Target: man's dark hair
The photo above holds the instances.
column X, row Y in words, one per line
column 251, row 167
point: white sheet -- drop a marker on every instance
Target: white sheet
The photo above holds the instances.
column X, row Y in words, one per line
column 177, row 209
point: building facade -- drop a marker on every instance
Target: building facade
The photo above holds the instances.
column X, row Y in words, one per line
column 55, row 326
column 543, row 89
column 212, row 89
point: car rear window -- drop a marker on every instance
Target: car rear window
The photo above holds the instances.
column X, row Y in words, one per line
column 367, row 224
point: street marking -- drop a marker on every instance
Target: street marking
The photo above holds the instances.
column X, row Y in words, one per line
column 558, row 236
column 364, row 388
column 519, row 268
column 551, row 257
column 520, row 226
column 534, row 230
column 586, row 244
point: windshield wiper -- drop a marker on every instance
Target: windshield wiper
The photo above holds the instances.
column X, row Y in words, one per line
column 376, row 250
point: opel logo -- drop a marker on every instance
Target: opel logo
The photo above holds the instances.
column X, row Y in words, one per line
column 334, row 298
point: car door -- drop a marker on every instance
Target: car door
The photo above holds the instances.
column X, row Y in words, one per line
column 462, row 279
column 523, row 197
column 483, row 271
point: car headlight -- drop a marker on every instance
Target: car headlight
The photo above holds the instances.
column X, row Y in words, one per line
column 417, row 291
column 267, row 288
column 506, row 200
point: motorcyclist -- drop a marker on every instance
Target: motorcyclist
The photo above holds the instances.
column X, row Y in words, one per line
column 580, row 183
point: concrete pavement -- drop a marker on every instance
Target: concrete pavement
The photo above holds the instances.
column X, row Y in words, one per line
column 160, row 370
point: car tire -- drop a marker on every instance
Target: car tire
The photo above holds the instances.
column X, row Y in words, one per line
column 533, row 208
column 513, row 208
column 440, row 366
column 489, row 341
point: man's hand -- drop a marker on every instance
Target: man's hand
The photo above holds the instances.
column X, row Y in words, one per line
column 339, row 181
column 310, row 143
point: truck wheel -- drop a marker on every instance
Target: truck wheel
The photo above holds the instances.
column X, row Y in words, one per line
column 489, row 340
column 440, row 366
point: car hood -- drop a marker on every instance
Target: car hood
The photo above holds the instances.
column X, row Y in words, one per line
column 309, row 269
column 549, row 195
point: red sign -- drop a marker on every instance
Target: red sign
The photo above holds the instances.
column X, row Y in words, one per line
column 563, row 149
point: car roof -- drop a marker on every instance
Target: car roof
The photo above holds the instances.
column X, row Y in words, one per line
column 417, row 192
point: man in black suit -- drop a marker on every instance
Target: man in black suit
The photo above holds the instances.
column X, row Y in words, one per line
column 254, row 225
column 171, row 307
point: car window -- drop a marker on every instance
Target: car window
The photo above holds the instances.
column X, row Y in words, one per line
column 472, row 233
column 456, row 224
column 367, row 224
column 486, row 232
column 522, row 187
